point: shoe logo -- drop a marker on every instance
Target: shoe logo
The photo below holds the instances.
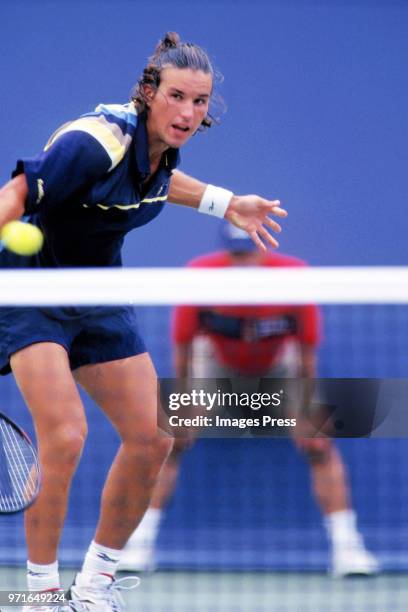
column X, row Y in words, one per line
column 106, row 557
column 31, row 573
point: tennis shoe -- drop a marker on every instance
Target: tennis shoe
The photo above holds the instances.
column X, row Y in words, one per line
column 101, row 593
column 354, row 560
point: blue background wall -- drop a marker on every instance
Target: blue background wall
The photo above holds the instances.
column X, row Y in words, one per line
column 317, row 96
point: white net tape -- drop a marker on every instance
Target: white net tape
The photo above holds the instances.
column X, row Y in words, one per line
column 243, row 285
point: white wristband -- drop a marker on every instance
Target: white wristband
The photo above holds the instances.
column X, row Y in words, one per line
column 215, row 201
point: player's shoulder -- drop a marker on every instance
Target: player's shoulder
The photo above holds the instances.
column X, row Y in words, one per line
column 216, row 259
column 283, row 260
column 122, row 115
column 110, row 125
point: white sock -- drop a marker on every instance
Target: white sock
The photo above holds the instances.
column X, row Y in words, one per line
column 147, row 531
column 42, row 577
column 100, row 560
column 342, row 528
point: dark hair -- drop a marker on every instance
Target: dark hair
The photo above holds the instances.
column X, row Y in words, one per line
column 172, row 52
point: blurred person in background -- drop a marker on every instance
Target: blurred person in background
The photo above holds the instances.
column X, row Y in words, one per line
column 274, row 341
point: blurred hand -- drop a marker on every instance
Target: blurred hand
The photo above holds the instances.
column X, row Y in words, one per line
column 251, row 213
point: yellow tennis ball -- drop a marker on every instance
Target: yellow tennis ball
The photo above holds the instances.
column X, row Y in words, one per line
column 22, row 238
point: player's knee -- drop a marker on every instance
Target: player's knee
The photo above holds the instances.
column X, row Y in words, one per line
column 163, row 447
column 317, row 450
column 148, row 456
column 65, row 447
column 149, row 450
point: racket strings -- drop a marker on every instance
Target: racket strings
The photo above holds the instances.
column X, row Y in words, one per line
column 20, row 474
column 14, row 463
column 20, row 450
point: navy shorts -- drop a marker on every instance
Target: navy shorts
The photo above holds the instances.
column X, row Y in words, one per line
column 89, row 334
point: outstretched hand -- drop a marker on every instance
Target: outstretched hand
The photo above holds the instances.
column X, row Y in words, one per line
column 251, row 213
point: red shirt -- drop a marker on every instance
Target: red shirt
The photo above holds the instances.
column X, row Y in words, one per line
column 249, row 357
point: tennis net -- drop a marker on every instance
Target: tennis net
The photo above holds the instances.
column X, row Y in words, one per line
column 246, row 504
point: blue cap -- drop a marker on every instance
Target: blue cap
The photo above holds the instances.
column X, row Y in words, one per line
column 235, row 239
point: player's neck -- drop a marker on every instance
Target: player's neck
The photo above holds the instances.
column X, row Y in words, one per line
column 156, row 150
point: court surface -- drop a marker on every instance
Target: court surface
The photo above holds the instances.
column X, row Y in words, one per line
column 248, row 592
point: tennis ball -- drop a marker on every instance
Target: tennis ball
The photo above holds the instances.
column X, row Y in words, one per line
column 21, row 238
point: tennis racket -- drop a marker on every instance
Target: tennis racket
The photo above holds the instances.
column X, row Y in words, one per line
column 20, row 475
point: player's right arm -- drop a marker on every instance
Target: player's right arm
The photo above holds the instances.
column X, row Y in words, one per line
column 249, row 212
column 12, row 198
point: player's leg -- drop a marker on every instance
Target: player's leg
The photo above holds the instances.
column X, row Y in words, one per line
column 329, row 482
column 167, row 481
column 139, row 552
column 43, row 375
column 126, row 391
column 331, row 489
column 328, row 474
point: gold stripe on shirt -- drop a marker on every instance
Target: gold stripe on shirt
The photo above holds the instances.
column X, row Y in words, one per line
column 129, row 206
column 100, row 129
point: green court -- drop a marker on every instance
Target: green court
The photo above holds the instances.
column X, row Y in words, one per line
column 248, row 592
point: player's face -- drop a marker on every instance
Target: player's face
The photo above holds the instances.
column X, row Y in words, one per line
column 179, row 106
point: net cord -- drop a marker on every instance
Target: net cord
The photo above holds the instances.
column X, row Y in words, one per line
column 169, row 286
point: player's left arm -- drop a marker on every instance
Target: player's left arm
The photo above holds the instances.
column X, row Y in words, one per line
column 308, row 365
column 248, row 212
column 12, row 198
column 182, row 359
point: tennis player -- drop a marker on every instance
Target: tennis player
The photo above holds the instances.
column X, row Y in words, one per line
column 99, row 177
column 261, row 341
